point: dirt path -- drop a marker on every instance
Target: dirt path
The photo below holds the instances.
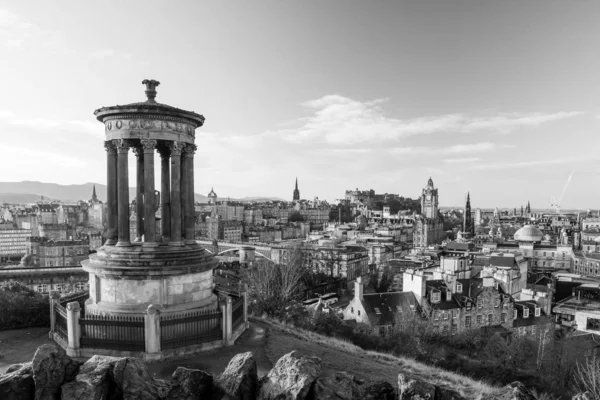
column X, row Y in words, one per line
column 19, row 345
column 215, row 361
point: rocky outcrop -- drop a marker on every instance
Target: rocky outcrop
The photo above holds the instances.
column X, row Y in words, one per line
column 190, row 384
column 337, row 387
column 292, row 378
column 514, row 391
column 94, row 380
column 18, row 384
column 414, row 389
column 52, row 367
column 54, row 375
column 133, row 381
column 240, row 378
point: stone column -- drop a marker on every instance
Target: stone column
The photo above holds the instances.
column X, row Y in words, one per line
column 165, row 197
column 228, row 316
column 139, row 198
column 188, row 173
column 176, row 148
column 245, row 294
column 54, row 299
column 111, row 193
column 152, row 333
column 149, row 208
column 73, row 328
column 123, row 191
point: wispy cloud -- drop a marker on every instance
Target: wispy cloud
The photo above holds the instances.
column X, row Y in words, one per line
column 339, row 120
column 462, row 160
column 455, row 149
column 102, row 53
column 90, row 127
column 529, row 163
column 17, row 33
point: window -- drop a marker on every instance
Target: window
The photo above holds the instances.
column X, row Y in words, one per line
column 502, row 318
column 479, row 302
column 358, row 312
column 377, row 311
column 479, row 318
column 435, row 297
column 42, row 288
column 352, row 310
column 537, row 311
column 497, row 302
column 454, row 329
column 454, row 314
column 526, row 312
column 448, row 295
column 436, row 315
column 459, row 287
column 490, row 319
column 533, row 329
column 468, row 321
column 446, row 315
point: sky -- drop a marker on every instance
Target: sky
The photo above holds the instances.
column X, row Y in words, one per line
column 499, row 99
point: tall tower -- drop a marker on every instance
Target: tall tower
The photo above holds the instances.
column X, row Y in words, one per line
column 296, row 192
column 94, row 197
column 468, row 226
column 429, row 201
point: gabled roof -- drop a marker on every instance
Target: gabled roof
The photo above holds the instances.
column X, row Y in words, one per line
column 383, row 308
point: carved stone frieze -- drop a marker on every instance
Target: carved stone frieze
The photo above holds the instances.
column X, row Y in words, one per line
column 153, row 124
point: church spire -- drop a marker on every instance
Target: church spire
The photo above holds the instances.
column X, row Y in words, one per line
column 296, row 192
column 94, row 197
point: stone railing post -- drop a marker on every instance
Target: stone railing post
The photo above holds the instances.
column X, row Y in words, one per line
column 229, row 310
column 73, row 328
column 152, row 333
column 245, row 294
column 54, row 299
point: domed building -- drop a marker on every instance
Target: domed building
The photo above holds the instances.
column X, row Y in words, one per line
column 529, row 233
column 542, row 255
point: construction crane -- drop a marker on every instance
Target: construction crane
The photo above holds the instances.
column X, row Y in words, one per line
column 556, row 204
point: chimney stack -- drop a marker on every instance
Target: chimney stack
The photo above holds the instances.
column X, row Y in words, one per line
column 358, row 288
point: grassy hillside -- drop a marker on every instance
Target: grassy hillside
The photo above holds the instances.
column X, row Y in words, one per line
column 339, row 355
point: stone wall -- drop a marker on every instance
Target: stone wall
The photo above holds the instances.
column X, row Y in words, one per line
column 54, row 375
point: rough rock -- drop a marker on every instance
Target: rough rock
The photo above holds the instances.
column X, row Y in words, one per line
column 412, row 389
column 133, row 381
column 375, row 390
column 190, row 384
column 15, row 367
column 18, row 385
column 514, row 391
column 336, row 387
column 51, row 369
column 240, row 379
column 448, row 394
column 94, row 380
column 291, row 378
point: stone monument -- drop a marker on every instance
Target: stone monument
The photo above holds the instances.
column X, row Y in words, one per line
column 169, row 271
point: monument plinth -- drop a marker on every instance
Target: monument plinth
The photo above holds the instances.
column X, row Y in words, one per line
column 170, row 271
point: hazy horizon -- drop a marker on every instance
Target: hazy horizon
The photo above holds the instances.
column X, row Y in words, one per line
column 490, row 97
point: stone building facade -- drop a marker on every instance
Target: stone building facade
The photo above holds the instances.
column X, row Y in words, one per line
column 46, row 252
column 13, row 242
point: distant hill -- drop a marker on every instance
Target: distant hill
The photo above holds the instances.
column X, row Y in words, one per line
column 20, row 198
column 31, row 191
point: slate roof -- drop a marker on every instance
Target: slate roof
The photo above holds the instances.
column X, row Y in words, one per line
column 498, row 260
column 532, row 319
column 382, row 308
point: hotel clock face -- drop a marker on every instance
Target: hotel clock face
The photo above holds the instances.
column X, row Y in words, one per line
column 428, row 197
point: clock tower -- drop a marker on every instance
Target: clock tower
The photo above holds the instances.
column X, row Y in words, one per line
column 429, row 201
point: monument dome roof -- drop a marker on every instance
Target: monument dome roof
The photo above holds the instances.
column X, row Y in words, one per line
column 528, row 233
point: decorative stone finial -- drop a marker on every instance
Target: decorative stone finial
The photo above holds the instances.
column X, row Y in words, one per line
column 151, row 85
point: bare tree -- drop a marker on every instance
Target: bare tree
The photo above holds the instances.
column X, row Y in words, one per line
column 274, row 286
column 587, row 377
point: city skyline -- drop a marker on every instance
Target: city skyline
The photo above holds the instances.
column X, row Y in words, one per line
column 495, row 99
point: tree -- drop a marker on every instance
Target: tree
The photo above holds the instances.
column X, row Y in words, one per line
column 295, row 216
column 274, row 286
column 587, row 377
column 497, row 349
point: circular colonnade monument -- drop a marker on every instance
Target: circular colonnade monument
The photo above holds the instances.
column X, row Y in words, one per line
column 168, row 270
